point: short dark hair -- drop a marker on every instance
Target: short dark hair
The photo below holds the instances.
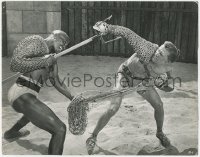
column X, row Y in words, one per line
column 174, row 53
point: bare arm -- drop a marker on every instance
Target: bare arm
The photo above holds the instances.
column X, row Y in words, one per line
column 60, row 86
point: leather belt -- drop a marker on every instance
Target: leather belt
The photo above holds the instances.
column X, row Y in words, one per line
column 28, row 84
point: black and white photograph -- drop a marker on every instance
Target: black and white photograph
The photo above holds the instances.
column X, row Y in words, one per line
column 99, row 78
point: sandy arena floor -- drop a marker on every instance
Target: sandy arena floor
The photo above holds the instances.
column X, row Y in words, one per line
column 130, row 132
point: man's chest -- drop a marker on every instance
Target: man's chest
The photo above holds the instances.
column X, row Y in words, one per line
column 139, row 69
column 158, row 70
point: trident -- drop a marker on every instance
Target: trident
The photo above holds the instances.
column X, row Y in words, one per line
column 72, row 48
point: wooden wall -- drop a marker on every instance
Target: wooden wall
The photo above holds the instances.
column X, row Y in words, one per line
column 155, row 21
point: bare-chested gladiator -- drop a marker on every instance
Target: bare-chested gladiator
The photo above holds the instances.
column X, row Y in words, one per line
column 149, row 62
column 28, row 58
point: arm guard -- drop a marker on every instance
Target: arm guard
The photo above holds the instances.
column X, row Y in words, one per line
column 142, row 47
column 28, row 55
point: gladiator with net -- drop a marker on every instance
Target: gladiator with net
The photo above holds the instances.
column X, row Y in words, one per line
column 150, row 66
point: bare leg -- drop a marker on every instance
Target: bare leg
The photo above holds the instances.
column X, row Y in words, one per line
column 14, row 131
column 112, row 109
column 154, row 99
column 104, row 119
column 43, row 117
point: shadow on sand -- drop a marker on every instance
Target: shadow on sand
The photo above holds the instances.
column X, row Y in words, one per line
column 30, row 146
column 171, row 150
column 99, row 150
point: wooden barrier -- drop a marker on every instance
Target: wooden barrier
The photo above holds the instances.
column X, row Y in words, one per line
column 155, row 21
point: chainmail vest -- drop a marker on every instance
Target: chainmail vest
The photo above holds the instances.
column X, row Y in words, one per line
column 144, row 49
column 27, row 56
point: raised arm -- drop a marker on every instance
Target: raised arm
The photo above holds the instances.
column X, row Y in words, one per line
column 28, row 55
column 144, row 49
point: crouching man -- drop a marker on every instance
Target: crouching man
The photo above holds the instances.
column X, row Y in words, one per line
column 28, row 58
column 148, row 67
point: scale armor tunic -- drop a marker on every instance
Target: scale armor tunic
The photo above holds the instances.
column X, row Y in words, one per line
column 144, row 49
column 28, row 54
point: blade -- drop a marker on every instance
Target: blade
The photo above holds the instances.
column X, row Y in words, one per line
column 108, row 18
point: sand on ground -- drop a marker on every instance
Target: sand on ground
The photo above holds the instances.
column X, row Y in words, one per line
column 130, row 132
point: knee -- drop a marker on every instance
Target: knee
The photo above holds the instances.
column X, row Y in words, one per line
column 158, row 106
column 62, row 128
column 114, row 106
column 113, row 109
column 58, row 127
